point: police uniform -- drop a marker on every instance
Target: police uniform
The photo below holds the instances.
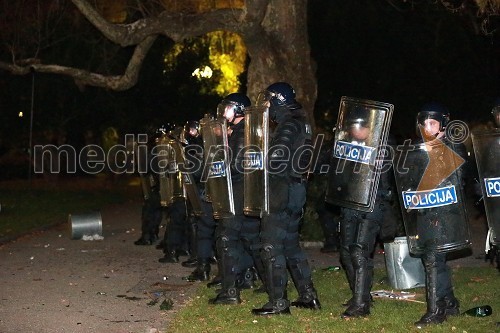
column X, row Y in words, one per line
column 280, row 228
column 205, row 224
column 237, row 237
column 152, row 212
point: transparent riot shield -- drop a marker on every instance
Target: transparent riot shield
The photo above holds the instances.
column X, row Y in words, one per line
column 354, row 173
column 218, row 172
column 487, row 151
column 431, row 194
column 162, row 151
column 174, row 176
column 256, row 181
column 190, row 189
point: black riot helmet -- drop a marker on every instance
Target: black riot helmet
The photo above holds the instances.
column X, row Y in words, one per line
column 280, row 98
column 282, row 94
column 434, row 111
column 233, row 106
column 192, row 130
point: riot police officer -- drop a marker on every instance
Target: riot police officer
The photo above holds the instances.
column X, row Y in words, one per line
column 203, row 226
column 357, row 184
column 237, row 236
column 487, row 152
column 435, row 229
column 280, row 227
column 191, row 136
column 175, row 241
column 152, row 212
column 358, row 235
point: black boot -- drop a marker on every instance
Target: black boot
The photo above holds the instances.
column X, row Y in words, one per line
column 346, row 261
column 144, row 241
column 308, row 299
column 201, row 273
column 436, row 314
column 279, row 307
column 191, row 262
column 276, row 281
column 452, row 305
column 217, row 280
column 301, row 276
column 193, row 234
column 360, row 303
column 170, row 257
column 436, row 308
column 229, row 294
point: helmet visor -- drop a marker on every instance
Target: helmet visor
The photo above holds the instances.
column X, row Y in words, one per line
column 264, row 98
column 431, row 122
column 227, row 109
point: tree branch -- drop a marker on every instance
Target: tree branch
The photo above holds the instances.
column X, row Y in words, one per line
column 174, row 26
column 83, row 77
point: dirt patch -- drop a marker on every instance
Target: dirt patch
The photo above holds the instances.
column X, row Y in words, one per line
column 51, row 283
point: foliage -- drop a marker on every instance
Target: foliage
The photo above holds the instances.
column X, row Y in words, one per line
column 226, row 57
column 473, row 287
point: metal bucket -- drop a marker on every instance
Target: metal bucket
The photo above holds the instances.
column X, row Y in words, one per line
column 403, row 270
column 88, row 224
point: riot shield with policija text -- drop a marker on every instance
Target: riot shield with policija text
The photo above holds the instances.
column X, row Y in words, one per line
column 218, row 171
column 487, row 151
column 354, row 172
column 256, row 181
column 190, row 189
column 430, row 191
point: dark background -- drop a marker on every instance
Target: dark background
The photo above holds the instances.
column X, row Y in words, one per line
column 407, row 56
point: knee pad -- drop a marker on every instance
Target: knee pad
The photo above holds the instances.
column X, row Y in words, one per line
column 359, row 254
column 268, row 252
column 222, row 244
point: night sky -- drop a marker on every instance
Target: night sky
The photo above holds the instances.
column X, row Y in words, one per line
column 364, row 49
column 368, row 49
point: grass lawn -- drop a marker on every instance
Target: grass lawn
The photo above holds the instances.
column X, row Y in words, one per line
column 28, row 206
column 473, row 287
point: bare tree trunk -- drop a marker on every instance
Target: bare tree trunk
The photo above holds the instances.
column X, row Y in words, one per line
column 279, row 51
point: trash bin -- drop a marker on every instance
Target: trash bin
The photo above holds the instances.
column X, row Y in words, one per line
column 87, row 224
column 403, row 270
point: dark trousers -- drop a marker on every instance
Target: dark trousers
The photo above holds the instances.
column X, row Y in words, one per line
column 237, row 240
column 206, row 225
column 358, row 236
column 176, row 231
column 152, row 214
column 280, row 242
